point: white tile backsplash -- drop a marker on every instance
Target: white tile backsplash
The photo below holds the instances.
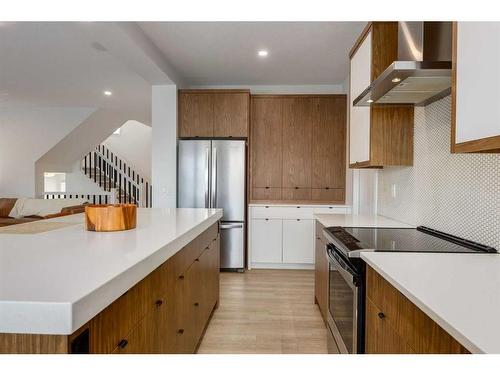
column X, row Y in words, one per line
column 455, row 193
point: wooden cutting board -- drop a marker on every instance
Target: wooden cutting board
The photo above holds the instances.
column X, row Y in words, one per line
column 35, row 227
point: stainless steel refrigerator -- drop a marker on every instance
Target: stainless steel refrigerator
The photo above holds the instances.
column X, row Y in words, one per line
column 211, row 173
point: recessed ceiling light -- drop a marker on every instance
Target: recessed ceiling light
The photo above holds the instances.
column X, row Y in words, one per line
column 108, row 93
column 369, row 101
column 262, row 53
column 396, row 79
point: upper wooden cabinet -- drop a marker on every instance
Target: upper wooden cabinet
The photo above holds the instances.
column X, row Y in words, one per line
column 297, row 136
column 266, row 147
column 475, row 94
column 380, row 135
column 214, row 113
column 297, row 148
column 328, row 148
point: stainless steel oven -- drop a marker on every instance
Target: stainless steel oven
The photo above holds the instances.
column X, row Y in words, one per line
column 345, row 302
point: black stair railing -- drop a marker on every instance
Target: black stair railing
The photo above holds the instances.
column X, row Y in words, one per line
column 111, row 173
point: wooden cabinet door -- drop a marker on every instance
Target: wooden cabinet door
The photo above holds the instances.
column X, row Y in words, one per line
column 231, row 114
column 298, row 241
column 328, row 143
column 320, row 273
column 380, row 337
column 475, row 114
column 116, row 321
column 266, row 142
column 147, row 337
column 196, row 114
column 297, row 136
column 360, row 79
column 266, row 240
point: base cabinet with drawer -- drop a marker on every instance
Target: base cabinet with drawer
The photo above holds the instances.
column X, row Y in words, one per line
column 166, row 312
column 282, row 236
column 394, row 325
column 321, row 268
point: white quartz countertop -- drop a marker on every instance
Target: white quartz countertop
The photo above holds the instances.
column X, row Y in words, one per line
column 348, row 220
column 460, row 292
column 54, row 282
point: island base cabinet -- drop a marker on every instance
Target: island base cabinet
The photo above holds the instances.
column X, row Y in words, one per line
column 395, row 325
column 166, row 312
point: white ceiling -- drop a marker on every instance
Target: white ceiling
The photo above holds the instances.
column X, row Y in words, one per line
column 225, row 53
column 56, row 64
column 70, row 64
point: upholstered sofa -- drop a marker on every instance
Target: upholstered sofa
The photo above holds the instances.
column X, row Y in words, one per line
column 6, row 205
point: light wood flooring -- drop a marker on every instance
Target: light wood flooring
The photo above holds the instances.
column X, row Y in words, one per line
column 266, row 311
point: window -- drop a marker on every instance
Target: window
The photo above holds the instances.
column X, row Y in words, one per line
column 54, row 182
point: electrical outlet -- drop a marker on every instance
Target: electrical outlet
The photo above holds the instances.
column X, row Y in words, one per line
column 393, row 190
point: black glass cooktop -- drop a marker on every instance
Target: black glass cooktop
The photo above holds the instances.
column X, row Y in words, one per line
column 421, row 239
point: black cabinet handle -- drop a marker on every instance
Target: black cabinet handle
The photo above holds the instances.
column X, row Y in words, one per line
column 327, row 188
column 123, row 343
column 298, row 219
column 267, row 219
column 159, row 303
column 296, row 187
column 181, row 331
column 181, row 277
column 197, row 260
column 381, row 315
column 196, row 304
column 267, row 187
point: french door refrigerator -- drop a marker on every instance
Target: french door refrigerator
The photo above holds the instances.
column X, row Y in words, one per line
column 211, row 174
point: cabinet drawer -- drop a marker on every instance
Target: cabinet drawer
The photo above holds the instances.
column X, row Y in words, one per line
column 381, row 338
column 420, row 332
column 147, row 337
column 318, row 231
column 298, row 241
column 181, row 261
column 266, row 193
column 328, row 195
column 296, row 194
column 117, row 320
column 331, row 210
column 280, row 212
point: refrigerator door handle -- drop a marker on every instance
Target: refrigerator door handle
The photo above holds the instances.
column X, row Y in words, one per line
column 214, row 178
column 231, row 226
column 207, row 178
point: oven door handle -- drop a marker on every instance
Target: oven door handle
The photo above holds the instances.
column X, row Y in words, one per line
column 347, row 272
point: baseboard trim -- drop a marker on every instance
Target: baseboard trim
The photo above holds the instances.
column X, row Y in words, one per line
column 283, row 266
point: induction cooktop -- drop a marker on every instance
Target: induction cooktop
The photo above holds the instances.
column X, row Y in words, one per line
column 351, row 241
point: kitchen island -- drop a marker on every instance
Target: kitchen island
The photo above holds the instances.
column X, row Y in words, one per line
column 70, row 290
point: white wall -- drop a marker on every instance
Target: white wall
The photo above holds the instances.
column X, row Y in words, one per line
column 164, row 146
column 133, row 145
column 27, row 133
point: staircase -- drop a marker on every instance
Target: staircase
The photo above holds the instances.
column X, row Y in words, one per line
column 113, row 175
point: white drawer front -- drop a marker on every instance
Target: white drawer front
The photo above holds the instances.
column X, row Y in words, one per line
column 331, row 210
column 288, row 212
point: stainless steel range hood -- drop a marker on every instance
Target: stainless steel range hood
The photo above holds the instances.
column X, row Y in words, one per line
column 422, row 73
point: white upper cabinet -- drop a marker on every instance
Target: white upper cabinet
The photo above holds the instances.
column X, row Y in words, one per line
column 360, row 79
column 477, row 94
